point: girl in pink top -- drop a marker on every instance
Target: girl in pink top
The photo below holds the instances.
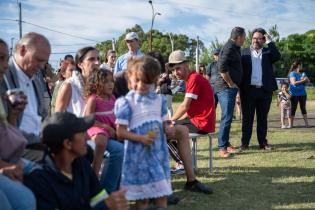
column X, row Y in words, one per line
column 100, row 102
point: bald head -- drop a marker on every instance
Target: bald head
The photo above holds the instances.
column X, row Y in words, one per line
column 32, row 53
column 32, row 39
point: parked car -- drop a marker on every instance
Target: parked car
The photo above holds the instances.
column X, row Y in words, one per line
column 281, row 80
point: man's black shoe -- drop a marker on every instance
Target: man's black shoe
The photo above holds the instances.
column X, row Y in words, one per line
column 196, row 186
column 172, row 200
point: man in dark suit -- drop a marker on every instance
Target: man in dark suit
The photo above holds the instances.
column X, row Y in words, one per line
column 31, row 54
column 258, row 83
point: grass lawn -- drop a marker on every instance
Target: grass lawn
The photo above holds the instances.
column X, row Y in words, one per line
column 283, row 178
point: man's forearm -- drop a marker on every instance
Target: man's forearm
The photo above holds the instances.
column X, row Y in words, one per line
column 227, row 79
column 181, row 110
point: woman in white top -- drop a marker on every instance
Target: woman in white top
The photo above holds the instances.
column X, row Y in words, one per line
column 70, row 96
column 71, row 99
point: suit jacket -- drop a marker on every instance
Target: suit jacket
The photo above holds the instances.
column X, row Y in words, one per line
column 269, row 56
column 11, row 81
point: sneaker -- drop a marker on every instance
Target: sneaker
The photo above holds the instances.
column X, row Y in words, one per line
column 178, row 169
column 283, row 127
column 223, row 153
column 232, row 150
column 196, row 186
column 289, row 126
column 243, row 148
column 266, row 147
column 172, row 199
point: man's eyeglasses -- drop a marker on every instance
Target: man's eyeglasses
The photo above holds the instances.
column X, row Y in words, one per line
column 130, row 41
column 259, row 39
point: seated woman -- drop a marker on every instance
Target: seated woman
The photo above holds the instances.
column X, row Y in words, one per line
column 71, row 98
column 12, row 143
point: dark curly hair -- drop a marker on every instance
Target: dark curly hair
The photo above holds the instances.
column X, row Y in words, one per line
column 96, row 81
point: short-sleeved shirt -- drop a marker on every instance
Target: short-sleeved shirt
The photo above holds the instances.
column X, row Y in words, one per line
column 122, row 61
column 202, row 109
column 212, row 72
column 297, row 90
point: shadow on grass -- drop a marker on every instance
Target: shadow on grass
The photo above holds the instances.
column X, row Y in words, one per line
column 252, row 188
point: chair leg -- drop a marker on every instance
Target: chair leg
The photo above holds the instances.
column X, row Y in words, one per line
column 210, row 153
column 194, row 153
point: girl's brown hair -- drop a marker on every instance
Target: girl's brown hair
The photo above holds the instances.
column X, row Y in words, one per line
column 96, row 81
column 148, row 66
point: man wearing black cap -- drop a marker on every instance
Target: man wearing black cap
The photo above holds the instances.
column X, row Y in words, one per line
column 212, row 73
column 66, row 179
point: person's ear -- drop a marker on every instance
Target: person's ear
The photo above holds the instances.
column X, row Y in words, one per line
column 80, row 65
column 67, row 144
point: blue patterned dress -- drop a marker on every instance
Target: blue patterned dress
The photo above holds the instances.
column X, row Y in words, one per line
column 146, row 171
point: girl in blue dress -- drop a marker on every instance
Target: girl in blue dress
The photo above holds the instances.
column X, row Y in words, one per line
column 141, row 118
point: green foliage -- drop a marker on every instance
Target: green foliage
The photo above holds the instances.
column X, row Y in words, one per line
column 160, row 42
column 297, row 46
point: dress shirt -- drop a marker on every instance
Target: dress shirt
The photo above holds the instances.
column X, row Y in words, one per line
column 31, row 120
column 256, row 78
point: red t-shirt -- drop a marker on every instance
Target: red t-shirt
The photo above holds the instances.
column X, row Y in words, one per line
column 202, row 109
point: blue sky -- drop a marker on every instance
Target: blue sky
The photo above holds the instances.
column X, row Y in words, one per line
column 99, row 20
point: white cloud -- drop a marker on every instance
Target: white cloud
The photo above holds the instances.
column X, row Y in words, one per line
column 101, row 20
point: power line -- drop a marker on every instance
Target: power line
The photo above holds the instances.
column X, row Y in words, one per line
column 56, row 53
column 77, row 44
column 49, row 29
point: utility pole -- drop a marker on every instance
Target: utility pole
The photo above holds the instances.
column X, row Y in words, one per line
column 113, row 44
column 20, row 19
column 171, row 40
column 197, row 55
column 11, row 49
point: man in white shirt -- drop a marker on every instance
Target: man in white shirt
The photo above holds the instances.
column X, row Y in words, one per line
column 258, row 83
column 31, row 54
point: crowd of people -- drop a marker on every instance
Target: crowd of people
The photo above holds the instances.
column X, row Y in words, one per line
column 107, row 134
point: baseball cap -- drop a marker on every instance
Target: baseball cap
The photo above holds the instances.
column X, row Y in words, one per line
column 132, row 36
column 216, row 51
column 176, row 57
column 62, row 125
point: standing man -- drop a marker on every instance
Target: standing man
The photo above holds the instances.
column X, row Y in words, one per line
column 31, row 55
column 212, row 73
column 258, row 83
column 133, row 44
column 226, row 84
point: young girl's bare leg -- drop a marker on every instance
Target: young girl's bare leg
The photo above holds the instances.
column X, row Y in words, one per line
column 142, row 204
column 161, row 202
column 100, row 146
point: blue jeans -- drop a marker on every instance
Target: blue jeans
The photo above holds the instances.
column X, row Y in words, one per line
column 226, row 99
column 111, row 172
column 110, row 178
column 19, row 196
column 4, row 203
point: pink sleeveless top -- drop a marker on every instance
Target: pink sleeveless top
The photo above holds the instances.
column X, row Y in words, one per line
column 104, row 113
